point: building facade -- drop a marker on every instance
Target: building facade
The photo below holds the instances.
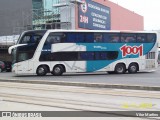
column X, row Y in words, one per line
column 13, row 17
column 20, row 15
column 92, row 14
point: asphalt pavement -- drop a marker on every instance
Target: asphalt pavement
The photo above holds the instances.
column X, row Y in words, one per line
column 141, row 80
column 71, row 101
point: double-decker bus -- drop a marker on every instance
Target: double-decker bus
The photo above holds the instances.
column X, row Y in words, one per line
column 58, row 51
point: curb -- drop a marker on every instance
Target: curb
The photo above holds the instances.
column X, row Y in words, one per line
column 80, row 84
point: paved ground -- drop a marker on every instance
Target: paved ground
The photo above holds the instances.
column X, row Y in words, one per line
column 99, row 98
column 142, row 78
column 34, row 97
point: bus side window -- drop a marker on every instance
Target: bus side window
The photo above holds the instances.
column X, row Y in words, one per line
column 141, row 38
column 74, row 37
column 55, row 38
column 112, row 55
column 123, row 39
column 97, row 55
column 114, row 38
column 151, row 37
column 89, row 38
column 128, row 38
column 97, row 37
column 106, row 37
column 71, row 37
column 80, row 38
column 103, row 55
column 87, row 56
column 111, row 38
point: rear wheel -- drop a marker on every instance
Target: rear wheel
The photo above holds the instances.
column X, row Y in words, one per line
column 133, row 68
column 41, row 71
column 120, row 69
column 57, row 70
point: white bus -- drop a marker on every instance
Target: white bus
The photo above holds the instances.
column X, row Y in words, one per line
column 58, row 51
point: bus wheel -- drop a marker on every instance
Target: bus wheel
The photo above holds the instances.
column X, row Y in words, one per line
column 120, row 69
column 41, row 71
column 0, row 70
column 57, row 70
column 133, row 68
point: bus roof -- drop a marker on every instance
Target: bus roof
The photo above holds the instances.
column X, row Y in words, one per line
column 35, row 31
column 116, row 31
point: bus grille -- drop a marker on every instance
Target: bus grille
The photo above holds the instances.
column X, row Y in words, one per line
column 150, row 55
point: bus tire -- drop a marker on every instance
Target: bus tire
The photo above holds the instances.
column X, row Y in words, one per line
column 41, row 70
column 120, row 68
column 133, row 68
column 0, row 70
column 57, row 70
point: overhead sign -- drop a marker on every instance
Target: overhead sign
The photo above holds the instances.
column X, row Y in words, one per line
column 94, row 16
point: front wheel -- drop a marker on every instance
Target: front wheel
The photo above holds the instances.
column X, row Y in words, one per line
column 120, row 69
column 58, row 70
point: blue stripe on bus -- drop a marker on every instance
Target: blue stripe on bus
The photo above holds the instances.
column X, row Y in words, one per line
column 97, row 65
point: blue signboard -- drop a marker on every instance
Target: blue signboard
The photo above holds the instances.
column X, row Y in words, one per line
column 94, row 16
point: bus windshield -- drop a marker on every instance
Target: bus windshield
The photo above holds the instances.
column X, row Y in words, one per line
column 30, row 40
column 31, row 37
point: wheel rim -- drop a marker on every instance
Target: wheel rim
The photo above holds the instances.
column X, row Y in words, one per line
column 41, row 70
column 120, row 69
column 133, row 68
column 57, row 70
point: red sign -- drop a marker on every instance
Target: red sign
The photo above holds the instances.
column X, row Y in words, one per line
column 129, row 50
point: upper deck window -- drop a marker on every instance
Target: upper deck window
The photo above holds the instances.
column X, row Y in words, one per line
column 98, row 37
column 128, row 38
column 31, row 37
column 75, row 37
column 55, row 38
column 141, row 37
column 111, row 38
column 151, row 37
